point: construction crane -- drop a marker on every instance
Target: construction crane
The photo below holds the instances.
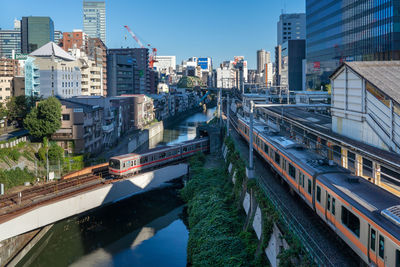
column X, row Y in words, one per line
column 153, row 54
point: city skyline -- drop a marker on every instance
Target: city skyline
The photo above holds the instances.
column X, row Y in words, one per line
column 232, row 37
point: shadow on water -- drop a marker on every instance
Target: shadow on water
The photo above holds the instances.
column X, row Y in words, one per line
column 145, row 230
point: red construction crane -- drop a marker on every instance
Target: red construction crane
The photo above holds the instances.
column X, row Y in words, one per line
column 153, row 53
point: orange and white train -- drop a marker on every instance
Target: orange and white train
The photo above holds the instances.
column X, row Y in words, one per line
column 133, row 163
column 364, row 215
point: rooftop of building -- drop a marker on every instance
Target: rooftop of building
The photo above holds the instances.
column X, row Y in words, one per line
column 72, row 104
column 52, row 50
column 384, row 75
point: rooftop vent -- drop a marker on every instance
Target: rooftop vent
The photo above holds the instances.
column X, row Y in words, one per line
column 352, row 179
column 393, row 214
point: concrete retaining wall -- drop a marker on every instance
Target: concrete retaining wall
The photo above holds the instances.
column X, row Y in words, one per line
column 107, row 194
column 255, row 219
column 144, row 136
column 13, row 143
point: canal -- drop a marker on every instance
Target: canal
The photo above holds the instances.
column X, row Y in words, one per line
column 144, row 230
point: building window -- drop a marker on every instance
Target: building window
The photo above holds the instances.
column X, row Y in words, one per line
column 373, row 239
column 351, row 221
column 318, row 194
column 65, row 117
column 381, row 251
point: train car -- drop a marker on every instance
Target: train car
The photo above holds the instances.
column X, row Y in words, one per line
column 133, row 163
column 365, row 216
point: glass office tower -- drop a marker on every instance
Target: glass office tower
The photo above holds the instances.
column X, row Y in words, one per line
column 36, row 32
column 94, row 19
column 349, row 30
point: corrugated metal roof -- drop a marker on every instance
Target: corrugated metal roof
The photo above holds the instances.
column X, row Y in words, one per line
column 51, row 49
column 385, row 75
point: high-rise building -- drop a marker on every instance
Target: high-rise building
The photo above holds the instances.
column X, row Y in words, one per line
column 10, row 41
column 291, row 27
column 349, row 31
column 293, row 54
column 165, row 64
column 121, row 70
column 94, row 19
column 141, row 75
column 263, row 57
column 36, row 32
column 58, row 35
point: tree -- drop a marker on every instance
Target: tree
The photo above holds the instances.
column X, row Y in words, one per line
column 18, row 107
column 44, row 119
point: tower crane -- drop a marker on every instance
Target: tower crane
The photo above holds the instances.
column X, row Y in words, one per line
column 153, row 54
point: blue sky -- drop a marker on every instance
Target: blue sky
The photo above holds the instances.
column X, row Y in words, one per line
column 220, row 29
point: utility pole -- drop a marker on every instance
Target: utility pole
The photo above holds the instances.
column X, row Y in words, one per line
column 250, row 171
column 47, row 165
column 219, row 106
column 227, row 114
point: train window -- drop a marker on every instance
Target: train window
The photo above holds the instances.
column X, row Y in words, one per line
column 284, row 164
column 397, row 258
column 333, row 206
column 197, row 145
column 373, row 239
column 351, row 221
column 132, row 163
column 277, row 158
column 135, row 163
column 329, row 202
column 114, row 163
column 318, row 194
column 123, row 165
column 184, row 149
column 162, row 155
column 381, row 251
column 266, row 149
column 292, row 171
column 309, row 186
column 302, row 179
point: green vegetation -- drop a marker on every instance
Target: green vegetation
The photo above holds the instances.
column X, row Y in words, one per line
column 190, row 82
column 16, row 177
column 45, row 119
column 296, row 255
column 215, row 220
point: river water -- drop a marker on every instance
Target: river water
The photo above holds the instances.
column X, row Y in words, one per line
column 144, row 230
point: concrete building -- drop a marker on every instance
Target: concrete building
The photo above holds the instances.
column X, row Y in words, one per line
column 97, row 50
column 77, row 39
column 349, row 31
column 91, row 74
column 94, row 19
column 52, row 72
column 81, row 128
column 117, row 115
column 166, row 64
column 263, row 58
column 35, row 33
column 226, row 75
column 278, row 65
column 293, row 54
column 10, row 41
column 121, row 69
column 366, row 103
column 58, row 35
column 291, row 27
column 141, row 73
column 142, row 111
column 9, row 69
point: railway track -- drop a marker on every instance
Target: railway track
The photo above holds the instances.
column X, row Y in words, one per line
column 318, row 239
column 41, row 193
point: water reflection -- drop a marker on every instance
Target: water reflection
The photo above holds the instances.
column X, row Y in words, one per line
column 187, row 129
column 145, row 230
